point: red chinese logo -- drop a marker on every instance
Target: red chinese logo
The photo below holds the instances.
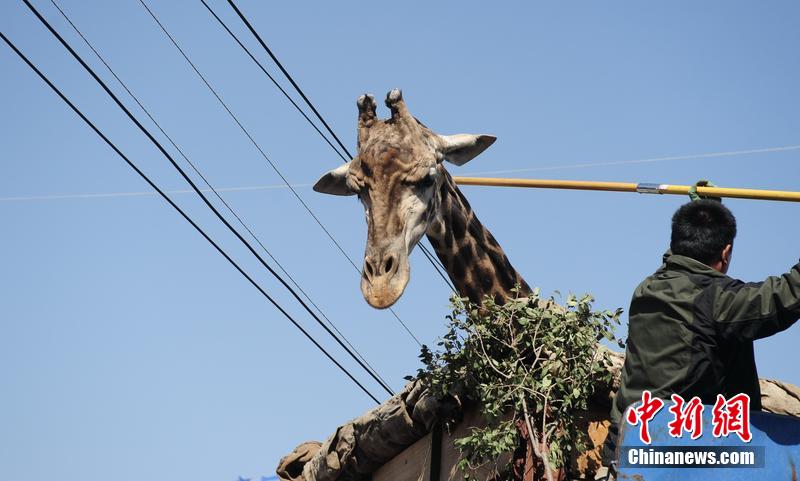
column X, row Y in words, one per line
column 728, row 416
column 732, row 416
column 686, row 417
column 644, row 413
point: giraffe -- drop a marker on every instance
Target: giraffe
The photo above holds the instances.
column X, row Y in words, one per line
column 399, row 177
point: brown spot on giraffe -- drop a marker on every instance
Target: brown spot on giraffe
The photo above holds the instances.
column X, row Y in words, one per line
column 406, row 192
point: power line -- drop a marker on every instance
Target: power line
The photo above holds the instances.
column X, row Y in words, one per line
column 183, row 214
column 216, row 193
column 102, row 195
column 247, row 188
column 264, row 155
column 275, row 82
column 433, row 260
column 193, row 185
column 288, row 77
column 709, row 155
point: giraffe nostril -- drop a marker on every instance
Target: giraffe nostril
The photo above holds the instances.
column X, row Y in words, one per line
column 389, row 263
column 368, row 268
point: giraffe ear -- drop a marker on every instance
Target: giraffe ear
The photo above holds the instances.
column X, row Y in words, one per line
column 335, row 182
column 461, row 148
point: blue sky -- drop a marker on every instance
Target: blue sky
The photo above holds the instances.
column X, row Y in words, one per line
column 130, row 349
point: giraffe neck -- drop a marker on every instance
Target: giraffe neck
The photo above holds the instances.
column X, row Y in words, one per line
column 474, row 260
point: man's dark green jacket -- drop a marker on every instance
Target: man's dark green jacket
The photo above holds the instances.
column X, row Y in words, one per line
column 691, row 332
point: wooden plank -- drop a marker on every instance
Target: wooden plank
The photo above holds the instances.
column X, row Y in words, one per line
column 413, row 464
column 450, row 454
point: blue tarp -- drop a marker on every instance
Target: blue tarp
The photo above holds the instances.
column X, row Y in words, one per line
column 774, row 447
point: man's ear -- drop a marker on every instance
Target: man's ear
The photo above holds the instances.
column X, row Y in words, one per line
column 461, row 148
column 727, row 252
column 335, row 182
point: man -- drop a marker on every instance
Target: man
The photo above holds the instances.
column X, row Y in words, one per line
column 691, row 327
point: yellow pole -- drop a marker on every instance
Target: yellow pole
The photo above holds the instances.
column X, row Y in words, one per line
column 780, row 195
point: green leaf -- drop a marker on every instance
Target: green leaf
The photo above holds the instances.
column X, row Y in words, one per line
column 535, row 345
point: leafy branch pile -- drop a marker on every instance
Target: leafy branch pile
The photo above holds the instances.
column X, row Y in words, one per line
column 528, row 363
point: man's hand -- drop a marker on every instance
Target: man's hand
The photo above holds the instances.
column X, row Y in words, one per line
column 702, row 183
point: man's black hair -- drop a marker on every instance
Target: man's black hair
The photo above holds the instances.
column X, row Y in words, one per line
column 701, row 229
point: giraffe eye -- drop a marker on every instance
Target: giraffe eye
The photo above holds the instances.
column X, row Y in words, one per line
column 429, row 179
column 426, row 181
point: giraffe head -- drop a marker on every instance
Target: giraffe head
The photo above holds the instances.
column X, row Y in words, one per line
column 397, row 175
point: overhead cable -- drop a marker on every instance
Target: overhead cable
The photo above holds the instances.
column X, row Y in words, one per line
column 193, row 185
column 264, row 155
column 183, row 214
column 216, row 193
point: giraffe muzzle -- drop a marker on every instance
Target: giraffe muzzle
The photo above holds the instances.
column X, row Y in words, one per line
column 384, row 278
